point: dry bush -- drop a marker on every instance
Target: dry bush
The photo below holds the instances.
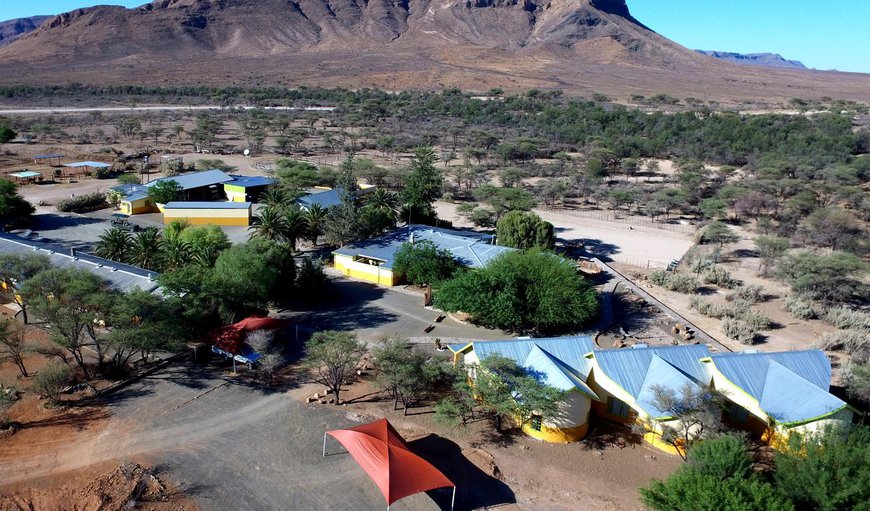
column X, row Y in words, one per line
column 679, row 282
column 721, row 277
column 801, row 307
column 752, row 293
column 846, row 318
column 853, row 342
column 739, row 331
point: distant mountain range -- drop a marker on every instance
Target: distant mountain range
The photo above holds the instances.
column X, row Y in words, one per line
column 579, row 46
column 13, row 29
column 755, row 59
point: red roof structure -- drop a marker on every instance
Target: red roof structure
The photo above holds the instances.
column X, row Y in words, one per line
column 388, row 460
column 231, row 337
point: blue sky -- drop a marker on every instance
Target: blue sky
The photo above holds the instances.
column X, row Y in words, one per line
column 823, row 35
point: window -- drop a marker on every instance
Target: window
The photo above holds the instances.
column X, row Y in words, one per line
column 536, row 422
column 617, row 407
column 737, row 413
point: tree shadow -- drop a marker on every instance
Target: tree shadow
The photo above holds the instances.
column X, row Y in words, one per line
column 75, row 414
column 599, row 248
column 475, row 489
column 605, row 434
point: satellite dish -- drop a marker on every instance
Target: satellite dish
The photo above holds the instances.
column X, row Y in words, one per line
column 247, row 152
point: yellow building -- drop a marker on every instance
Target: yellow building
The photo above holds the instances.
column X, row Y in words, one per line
column 372, row 260
column 216, row 213
column 561, row 364
column 775, row 395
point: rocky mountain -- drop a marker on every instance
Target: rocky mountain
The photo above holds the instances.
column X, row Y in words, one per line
column 755, row 59
column 580, row 46
column 13, row 29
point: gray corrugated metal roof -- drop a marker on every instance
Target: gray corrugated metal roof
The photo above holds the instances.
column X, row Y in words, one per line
column 789, row 386
column 570, row 351
column 661, row 374
column 630, row 367
column 749, row 370
column 198, row 179
column 469, row 248
column 325, row 199
column 120, row 276
column 789, row 398
column 555, row 373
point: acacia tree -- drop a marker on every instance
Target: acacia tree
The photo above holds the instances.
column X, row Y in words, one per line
column 770, row 250
column 13, row 344
column 165, row 191
column 14, row 271
column 71, row 302
column 424, row 263
column 506, row 390
column 694, row 414
column 139, row 322
column 331, row 357
column 408, row 375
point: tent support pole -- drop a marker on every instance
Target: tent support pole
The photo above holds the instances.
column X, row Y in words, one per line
column 453, row 499
column 324, row 445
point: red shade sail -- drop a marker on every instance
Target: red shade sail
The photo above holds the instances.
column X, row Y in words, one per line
column 388, row 460
column 231, row 337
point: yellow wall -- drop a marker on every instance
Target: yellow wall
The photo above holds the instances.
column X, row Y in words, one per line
column 209, row 216
column 362, row 271
column 137, row 207
column 234, row 196
column 557, row 435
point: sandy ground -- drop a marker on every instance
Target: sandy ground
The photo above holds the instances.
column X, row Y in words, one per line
column 602, row 473
column 639, row 245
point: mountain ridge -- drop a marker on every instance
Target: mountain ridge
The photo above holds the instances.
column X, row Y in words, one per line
column 754, row 59
column 11, row 30
column 580, row 46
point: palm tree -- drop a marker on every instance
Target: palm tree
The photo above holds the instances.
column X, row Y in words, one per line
column 274, row 196
column 176, row 253
column 146, row 251
column 315, row 217
column 205, row 256
column 271, row 224
column 297, row 225
column 114, row 244
column 386, row 202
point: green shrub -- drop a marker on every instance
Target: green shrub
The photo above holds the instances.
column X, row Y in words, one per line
column 709, row 309
column 719, row 276
column 51, row 381
column 739, row 331
column 801, row 307
column 846, row 318
column 679, row 282
column 82, row 203
column 756, row 319
column 748, row 292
